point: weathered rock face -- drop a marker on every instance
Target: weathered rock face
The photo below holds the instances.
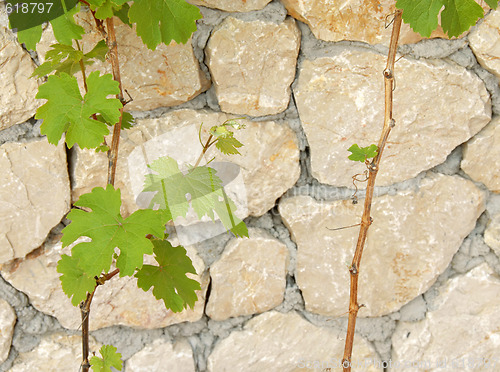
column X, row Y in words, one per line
column 492, row 234
column 56, row 352
column 485, row 42
column 253, row 64
column 462, row 332
column 152, row 78
column 7, row 322
column 17, row 101
column 118, row 302
column 269, row 161
column 412, row 240
column 481, row 158
column 34, row 195
column 162, row 356
column 285, row 342
column 341, row 98
column 232, row 5
column 249, row 278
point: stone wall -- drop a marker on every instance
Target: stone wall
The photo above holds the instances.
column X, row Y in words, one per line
column 307, row 77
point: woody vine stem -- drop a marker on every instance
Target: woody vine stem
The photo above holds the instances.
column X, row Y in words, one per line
column 373, row 167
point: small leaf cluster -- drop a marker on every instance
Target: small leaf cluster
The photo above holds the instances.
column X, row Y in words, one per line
column 225, row 140
column 110, row 358
column 456, row 17
column 362, row 154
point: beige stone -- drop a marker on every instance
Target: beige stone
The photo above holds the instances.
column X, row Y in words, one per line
column 34, row 195
column 437, row 106
column 485, row 42
column 167, row 76
column 269, row 160
column 162, row 356
column 7, row 323
column 462, row 332
column 411, row 241
column 249, row 278
column 118, row 302
column 286, row 342
column 17, row 90
column 335, row 20
column 253, row 64
column 481, row 156
column 492, row 234
column 56, row 352
column 232, row 5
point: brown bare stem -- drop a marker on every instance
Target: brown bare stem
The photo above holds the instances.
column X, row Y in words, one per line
column 373, row 168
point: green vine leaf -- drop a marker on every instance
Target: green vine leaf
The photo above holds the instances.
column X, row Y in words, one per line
column 65, row 28
column 168, row 279
column 67, row 112
column 109, row 230
column 457, row 17
column 226, row 143
column 202, row 184
column 362, row 153
column 30, row 37
column 161, row 21
column 105, row 8
column 75, row 282
column 110, row 358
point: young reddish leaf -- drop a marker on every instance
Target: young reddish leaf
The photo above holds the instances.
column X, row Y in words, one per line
column 110, row 358
column 74, row 281
column 168, row 279
column 66, row 110
column 109, row 230
column 161, row 21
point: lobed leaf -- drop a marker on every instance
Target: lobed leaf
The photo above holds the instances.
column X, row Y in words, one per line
column 421, row 15
column 67, row 112
column 161, row 21
column 362, row 153
column 168, row 279
column 460, row 15
column 110, row 358
column 75, row 282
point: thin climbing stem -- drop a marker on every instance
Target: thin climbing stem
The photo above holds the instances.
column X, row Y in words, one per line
column 373, row 168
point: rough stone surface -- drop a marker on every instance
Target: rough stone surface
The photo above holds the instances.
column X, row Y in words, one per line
column 253, row 65
column 7, row 322
column 119, row 302
column 34, row 195
column 249, row 278
column 411, row 241
column 492, row 234
column 462, row 332
column 162, row 356
column 485, row 42
column 17, row 90
column 56, row 352
column 481, row 159
column 286, row 342
column 167, row 76
column 269, row 160
column 429, row 126
column 335, row 20
column 232, row 5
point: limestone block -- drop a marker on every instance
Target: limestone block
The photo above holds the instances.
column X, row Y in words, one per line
column 56, row 352
column 232, row 5
column 7, row 323
column 410, row 243
column 118, row 302
column 437, row 106
column 269, row 161
column 485, row 42
column 167, row 76
column 492, row 234
column 461, row 332
column 481, row 156
column 162, row 356
column 335, row 20
column 253, row 64
column 34, row 195
column 249, row 278
column 287, row 342
column 17, row 90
